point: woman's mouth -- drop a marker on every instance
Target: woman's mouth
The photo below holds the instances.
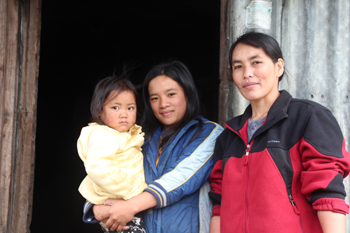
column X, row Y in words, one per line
column 167, row 113
column 250, row 85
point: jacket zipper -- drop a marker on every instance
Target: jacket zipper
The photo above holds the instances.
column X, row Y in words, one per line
column 296, row 210
column 247, row 151
column 248, row 148
column 246, row 156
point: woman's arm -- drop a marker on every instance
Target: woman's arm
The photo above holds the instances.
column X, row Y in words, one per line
column 190, row 171
column 325, row 162
column 215, row 180
column 215, row 224
column 332, row 222
column 121, row 212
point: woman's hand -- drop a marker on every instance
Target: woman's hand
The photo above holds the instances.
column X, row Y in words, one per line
column 120, row 214
column 101, row 212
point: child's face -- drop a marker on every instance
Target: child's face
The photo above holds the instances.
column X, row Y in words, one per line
column 119, row 112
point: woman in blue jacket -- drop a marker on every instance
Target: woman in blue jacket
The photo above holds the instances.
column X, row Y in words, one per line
column 177, row 152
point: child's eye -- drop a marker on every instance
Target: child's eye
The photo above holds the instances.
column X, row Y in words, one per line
column 131, row 108
column 115, row 107
column 153, row 98
column 171, row 94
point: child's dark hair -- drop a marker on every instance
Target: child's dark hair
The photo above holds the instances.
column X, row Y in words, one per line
column 102, row 91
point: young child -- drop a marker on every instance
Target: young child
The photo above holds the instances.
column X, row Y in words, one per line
column 111, row 147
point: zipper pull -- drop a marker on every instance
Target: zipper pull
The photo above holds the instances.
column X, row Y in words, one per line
column 246, row 154
column 295, row 208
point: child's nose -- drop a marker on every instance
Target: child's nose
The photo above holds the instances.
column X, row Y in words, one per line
column 123, row 114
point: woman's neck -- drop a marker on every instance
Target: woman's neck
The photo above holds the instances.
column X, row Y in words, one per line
column 261, row 107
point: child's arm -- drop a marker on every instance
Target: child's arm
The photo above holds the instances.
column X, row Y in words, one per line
column 332, row 222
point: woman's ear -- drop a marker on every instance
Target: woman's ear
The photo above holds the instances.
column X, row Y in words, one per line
column 280, row 67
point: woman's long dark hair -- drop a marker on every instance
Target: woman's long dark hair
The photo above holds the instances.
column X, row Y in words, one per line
column 177, row 71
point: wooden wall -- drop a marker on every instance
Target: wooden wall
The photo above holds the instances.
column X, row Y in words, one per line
column 20, row 23
column 224, row 66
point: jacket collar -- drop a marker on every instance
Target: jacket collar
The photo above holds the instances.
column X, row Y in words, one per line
column 170, row 146
column 277, row 112
column 153, row 144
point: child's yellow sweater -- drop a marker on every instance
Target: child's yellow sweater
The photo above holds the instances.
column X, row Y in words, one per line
column 113, row 163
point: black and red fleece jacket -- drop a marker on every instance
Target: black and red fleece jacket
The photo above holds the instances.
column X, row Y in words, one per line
column 293, row 166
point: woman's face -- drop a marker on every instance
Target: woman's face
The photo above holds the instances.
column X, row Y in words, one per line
column 168, row 100
column 255, row 74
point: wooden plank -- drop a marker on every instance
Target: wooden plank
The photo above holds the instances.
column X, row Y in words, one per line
column 20, row 44
column 8, row 112
column 28, row 116
column 3, row 22
column 224, row 71
column 16, row 210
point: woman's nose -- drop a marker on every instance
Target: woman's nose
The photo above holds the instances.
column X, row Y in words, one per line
column 164, row 103
column 247, row 72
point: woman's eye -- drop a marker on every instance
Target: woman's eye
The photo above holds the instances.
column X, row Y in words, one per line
column 256, row 62
column 115, row 107
column 237, row 67
column 153, row 98
column 131, row 108
column 171, row 94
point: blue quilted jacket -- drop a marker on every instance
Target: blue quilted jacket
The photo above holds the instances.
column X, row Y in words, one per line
column 179, row 182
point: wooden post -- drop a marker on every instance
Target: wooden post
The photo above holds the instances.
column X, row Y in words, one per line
column 20, row 24
column 224, row 70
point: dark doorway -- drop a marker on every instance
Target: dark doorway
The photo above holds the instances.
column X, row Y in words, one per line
column 83, row 41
